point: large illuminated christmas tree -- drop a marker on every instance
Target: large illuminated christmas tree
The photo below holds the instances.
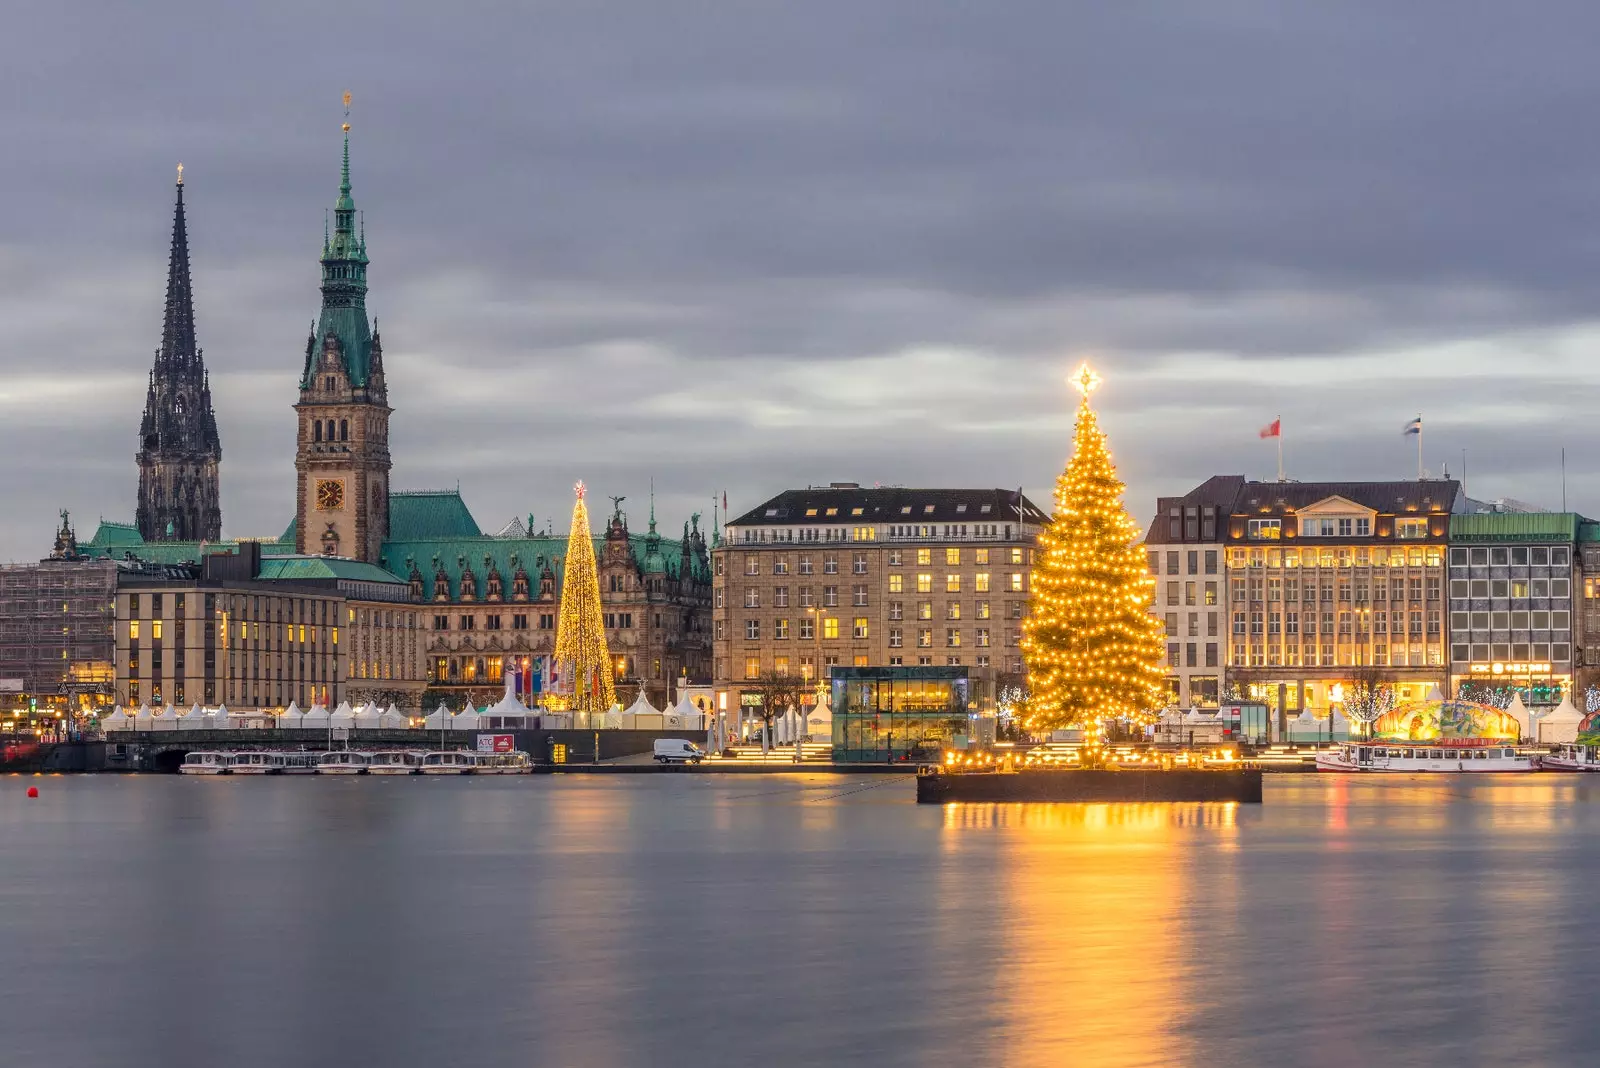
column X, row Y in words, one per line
column 580, row 633
column 1093, row 650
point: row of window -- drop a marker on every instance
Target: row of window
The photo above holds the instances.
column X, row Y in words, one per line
column 1478, row 589
column 1194, row 624
column 1193, row 556
column 780, row 664
column 1510, row 555
column 1276, row 589
column 519, row 621
column 1188, row 654
column 1415, row 655
column 860, row 630
column 1349, row 623
column 1482, row 652
column 1503, row 620
column 858, row 562
column 1361, row 556
column 1359, row 526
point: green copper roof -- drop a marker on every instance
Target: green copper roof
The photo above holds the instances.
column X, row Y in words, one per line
column 109, row 534
column 111, row 542
column 344, row 288
column 323, row 567
column 1514, row 526
column 421, row 514
column 454, row 555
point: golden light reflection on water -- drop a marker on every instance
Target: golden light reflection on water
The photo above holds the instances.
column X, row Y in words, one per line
column 1095, row 932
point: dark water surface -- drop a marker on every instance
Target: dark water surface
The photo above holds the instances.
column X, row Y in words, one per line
column 793, row 920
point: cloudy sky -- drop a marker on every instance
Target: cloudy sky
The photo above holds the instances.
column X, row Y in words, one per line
column 763, row 244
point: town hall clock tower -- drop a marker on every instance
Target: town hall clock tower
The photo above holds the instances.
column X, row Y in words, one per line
column 342, row 459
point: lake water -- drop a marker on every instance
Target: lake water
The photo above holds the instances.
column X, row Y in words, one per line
column 793, row 920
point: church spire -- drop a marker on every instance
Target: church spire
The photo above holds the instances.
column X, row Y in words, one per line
column 179, row 448
column 344, row 287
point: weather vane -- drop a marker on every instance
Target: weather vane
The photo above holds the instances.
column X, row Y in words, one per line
column 1085, row 381
column 616, row 505
column 347, row 111
column 180, row 174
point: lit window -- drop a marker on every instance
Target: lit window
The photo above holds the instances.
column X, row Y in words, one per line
column 1016, row 582
column 896, row 585
column 952, row 583
column 133, row 628
column 980, row 582
column 924, row 557
column 830, row 627
column 752, row 667
column 155, row 629
column 861, row 626
column 952, row 557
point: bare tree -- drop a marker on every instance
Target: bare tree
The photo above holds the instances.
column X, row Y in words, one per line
column 779, row 692
column 1366, row 697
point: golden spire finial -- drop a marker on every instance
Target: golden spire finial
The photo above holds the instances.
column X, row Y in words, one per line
column 180, row 174
column 1084, row 380
column 347, row 111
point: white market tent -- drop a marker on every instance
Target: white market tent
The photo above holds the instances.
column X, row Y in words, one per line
column 642, row 706
column 368, row 717
column 291, row 716
column 438, row 719
column 143, row 720
column 1519, row 712
column 467, row 719
column 343, row 716
column 392, row 719
column 1561, row 725
column 316, row 716
column 819, row 723
column 117, row 721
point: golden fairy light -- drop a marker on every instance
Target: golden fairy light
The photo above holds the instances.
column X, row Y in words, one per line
column 580, row 631
column 1093, row 651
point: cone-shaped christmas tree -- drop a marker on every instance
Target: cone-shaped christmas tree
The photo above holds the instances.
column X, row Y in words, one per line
column 1093, row 649
column 581, row 633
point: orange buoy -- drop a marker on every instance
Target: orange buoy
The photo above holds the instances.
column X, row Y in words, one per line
column 33, row 791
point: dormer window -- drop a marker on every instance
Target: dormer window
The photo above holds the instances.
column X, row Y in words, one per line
column 986, row 509
column 1264, row 529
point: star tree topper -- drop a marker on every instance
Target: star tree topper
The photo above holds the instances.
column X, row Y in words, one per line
column 1084, row 380
column 580, row 489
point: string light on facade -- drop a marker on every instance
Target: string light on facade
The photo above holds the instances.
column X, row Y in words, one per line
column 1093, row 651
column 580, row 631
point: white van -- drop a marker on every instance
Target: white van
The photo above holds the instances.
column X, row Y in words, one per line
column 678, row 751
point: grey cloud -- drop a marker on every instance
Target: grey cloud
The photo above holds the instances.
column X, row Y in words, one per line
column 618, row 238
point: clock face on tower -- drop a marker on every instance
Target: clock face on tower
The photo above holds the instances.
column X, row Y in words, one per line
column 330, row 494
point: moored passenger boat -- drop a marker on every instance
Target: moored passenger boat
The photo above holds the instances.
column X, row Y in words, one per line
column 1438, row 737
column 515, row 762
column 395, row 762
column 449, row 762
column 207, row 762
column 255, row 762
column 343, row 762
column 1580, row 754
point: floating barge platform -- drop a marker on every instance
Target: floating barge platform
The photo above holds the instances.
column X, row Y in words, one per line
column 936, row 786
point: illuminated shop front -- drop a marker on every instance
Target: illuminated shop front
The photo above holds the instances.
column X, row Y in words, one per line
column 883, row 713
column 1538, row 683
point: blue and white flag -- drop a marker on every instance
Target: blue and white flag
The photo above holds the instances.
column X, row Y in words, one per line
column 1413, row 427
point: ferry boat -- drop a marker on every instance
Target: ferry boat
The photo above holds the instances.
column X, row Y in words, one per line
column 450, row 762
column 255, row 762
column 515, row 762
column 1435, row 737
column 1418, row 757
column 1574, row 756
column 343, row 762
column 395, row 762
column 298, row 763
column 207, row 762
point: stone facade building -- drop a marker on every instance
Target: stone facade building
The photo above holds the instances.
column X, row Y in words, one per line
column 253, row 632
column 1333, row 583
column 56, row 633
column 846, row 576
column 180, row 452
column 1185, row 546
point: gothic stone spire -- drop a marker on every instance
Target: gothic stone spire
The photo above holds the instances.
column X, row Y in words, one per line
column 179, row 448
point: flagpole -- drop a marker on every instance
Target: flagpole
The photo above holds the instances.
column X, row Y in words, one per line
column 1280, row 448
column 1419, row 448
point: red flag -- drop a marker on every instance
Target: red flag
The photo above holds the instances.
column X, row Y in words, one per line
column 1273, row 429
column 724, row 500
